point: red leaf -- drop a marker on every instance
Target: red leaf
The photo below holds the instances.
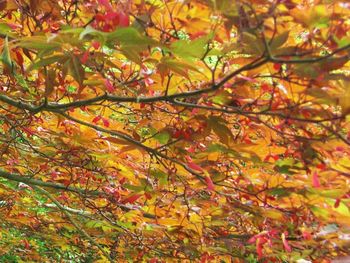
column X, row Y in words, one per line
column 186, row 134
column 66, row 183
column 20, row 59
column 107, row 28
column 306, row 235
column 85, row 57
column 112, row 16
column 321, row 166
column 105, row 122
column 265, row 87
column 122, row 181
column 96, row 119
column 255, row 237
column 210, row 183
column 337, row 203
column 148, row 196
column 54, row 175
column 275, row 157
column 194, row 166
column 340, row 149
column 285, row 243
column 26, row 244
column 197, row 34
column 109, row 86
column 106, row 4
column 177, row 134
column 131, row 199
column 260, row 241
column 194, row 111
column 99, row 18
column 95, row 44
column 123, row 20
column 320, row 77
column 315, row 180
column 277, row 66
column 191, row 149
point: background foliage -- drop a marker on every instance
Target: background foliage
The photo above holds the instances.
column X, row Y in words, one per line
column 161, row 131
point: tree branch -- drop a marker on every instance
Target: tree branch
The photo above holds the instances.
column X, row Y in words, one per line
column 34, row 182
column 72, row 220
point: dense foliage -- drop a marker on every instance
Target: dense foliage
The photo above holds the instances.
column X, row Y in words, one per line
column 161, row 131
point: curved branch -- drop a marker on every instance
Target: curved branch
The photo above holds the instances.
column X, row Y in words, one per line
column 35, row 182
column 55, row 107
column 311, row 60
column 237, row 110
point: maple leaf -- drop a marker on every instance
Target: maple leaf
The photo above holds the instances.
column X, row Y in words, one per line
column 149, row 131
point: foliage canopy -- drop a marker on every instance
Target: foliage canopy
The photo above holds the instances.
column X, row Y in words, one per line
column 161, row 131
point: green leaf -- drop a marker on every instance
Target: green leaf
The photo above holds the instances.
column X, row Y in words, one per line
column 5, row 29
column 131, row 37
column 223, row 149
column 134, row 188
column 160, row 175
column 72, row 30
column 22, row 82
column 227, row 7
column 38, row 43
column 132, row 54
column 190, row 49
column 280, row 192
column 71, row 89
column 307, row 70
column 332, row 193
column 320, row 212
column 279, row 40
column 221, row 130
column 252, row 45
column 50, row 82
column 341, row 209
column 162, row 137
column 101, row 224
column 88, row 31
column 5, row 55
column 222, row 98
column 285, row 162
column 93, row 223
column 179, row 67
column 320, row 17
column 216, row 148
column 101, row 36
column 344, row 41
column 76, row 69
column 47, row 61
column 284, row 169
